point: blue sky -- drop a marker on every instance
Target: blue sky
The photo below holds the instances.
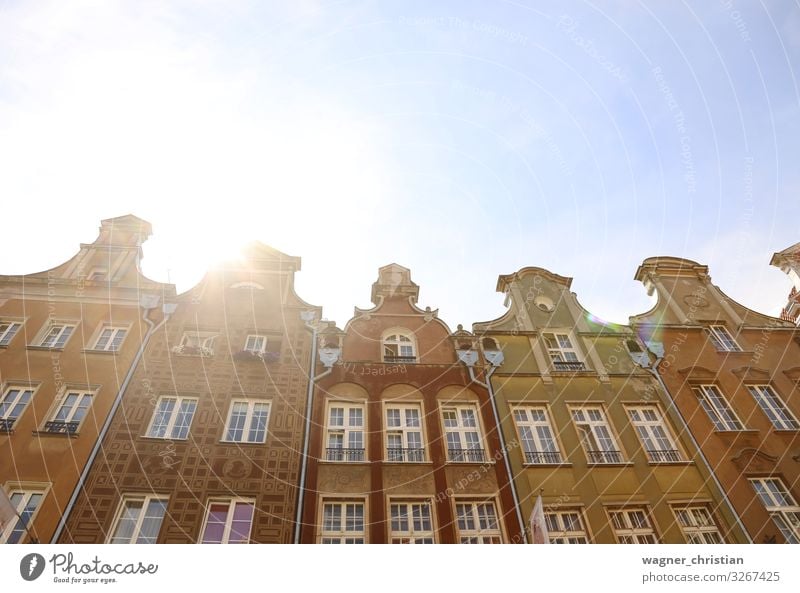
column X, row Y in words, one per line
column 461, row 139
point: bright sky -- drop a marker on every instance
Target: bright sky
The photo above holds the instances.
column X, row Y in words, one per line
column 461, row 139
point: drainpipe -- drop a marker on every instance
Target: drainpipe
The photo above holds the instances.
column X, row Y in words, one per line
column 148, row 303
column 469, row 357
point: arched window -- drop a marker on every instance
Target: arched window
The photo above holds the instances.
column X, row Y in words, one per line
column 399, row 347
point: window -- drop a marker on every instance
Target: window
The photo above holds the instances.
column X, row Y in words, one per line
column 398, row 348
column 773, row 407
column 342, row 523
column 247, row 421
column 255, row 344
column 463, row 434
column 477, row 523
column 56, row 336
column 717, row 408
column 411, row 523
column 139, row 520
column 654, row 435
column 404, row 433
column 13, row 403
column 632, row 526
column 722, row 339
column 536, row 435
column 781, row 506
column 172, row 418
column 562, row 353
column 228, row 521
column 345, row 432
column 566, row 527
column 70, row 412
column 697, row 525
column 196, row 344
column 596, row 436
column 110, row 339
column 26, row 503
column 8, row 329
column 97, row 275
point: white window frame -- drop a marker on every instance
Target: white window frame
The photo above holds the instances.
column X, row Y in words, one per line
column 415, row 511
column 247, row 428
column 145, row 499
column 697, row 524
column 256, row 350
column 718, row 408
column 478, row 534
column 76, row 406
column 630, row 529
column 781, row 506
column 773, row 407
column 8, row 329
column 399, row 339
column 559, row 531
column 347, row 431
column 169, row 433
column 54, row 343
column 468, row 451
column 561, row 348
column 202, row 341
column 231, row 502
column 404, row 430
column 12, row 405
column 20, row 507
column 537, row 447
column 341, row 534
column 115, row 332
column 655, row 435
column 722, row 339
column 590, row 432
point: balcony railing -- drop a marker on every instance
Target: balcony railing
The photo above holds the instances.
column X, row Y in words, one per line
column 664, row 455
column 542, row 457
column 389, row 358
column 406, row 455
column 6, row 424
column 604, row 456
column 57, row 426
column 565, row 365
column 466, row 455
column 336, row 454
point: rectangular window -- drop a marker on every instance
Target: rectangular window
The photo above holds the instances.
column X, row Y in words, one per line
column 698, row 525
column 411, row 522
column 781, row 506
column 70, row 412
column 14, row 401
column 228, row 521
column 139, row 520
column 110, row 339
column 8, row 329
column 172, row 418
column 722, row 339
column 563, row 354
column 26, row 503
column 596, row 436
column 404, row 433
column 247, row 421
column 477, row 523
column 345, row 432
column 536, row 435
column 717, row 408
column 256, row 344
column 772, row 405
column 464, row 443
column 196, row 344
column 342, row 523
column 566, row 527
column 653, row 433
column 632, row 526
column 56, row 336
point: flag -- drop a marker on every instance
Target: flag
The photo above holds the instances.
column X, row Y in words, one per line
column 8, row 513
column 539, row 524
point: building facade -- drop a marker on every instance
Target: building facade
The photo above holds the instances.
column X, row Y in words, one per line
column 206, row 445
column 733, row 374
column 597, row 438
column 68, row 338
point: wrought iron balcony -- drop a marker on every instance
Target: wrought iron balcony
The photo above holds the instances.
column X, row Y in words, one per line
column 542, row 457
column 186, row 350
column 57, row 426
column 466, row 455
column 568, row 365
column 604, row 456
column 6, row 424
column 388, row 358
column 337, row 454
column 406, row 455
column 664, row 455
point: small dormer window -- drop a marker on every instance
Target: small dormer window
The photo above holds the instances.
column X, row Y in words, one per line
column 97, row 275
column 722, row 339
column 398, row 347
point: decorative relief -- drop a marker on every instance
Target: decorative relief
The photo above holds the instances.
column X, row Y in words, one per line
column 237, row 469
column 754, row 460
column 343, row 479
column 695, row 300
column 408, row 480
column 472, row 479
